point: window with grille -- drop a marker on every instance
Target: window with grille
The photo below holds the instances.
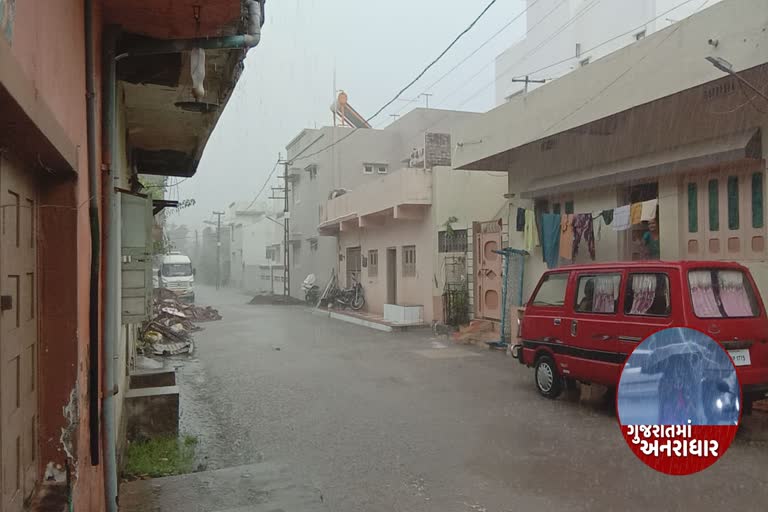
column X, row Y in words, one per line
column 313, row 244
column 312, row 171
column 455, row 241
column 373, row 263
column 409, row 261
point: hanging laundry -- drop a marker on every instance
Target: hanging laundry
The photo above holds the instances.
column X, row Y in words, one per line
column 649, row 209
column 566, row 236
column 597, row 224
column 583, row 228
column 635, row 213
column 607, row 217
column 621, row 218
column 550, row 238
column 520, row 221
column 530, row 233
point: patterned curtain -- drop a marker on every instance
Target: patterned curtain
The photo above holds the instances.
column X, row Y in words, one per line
column 733, row 294
column 644, row 293
column 703, row 295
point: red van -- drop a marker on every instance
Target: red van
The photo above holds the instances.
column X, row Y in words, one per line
column 583, row 321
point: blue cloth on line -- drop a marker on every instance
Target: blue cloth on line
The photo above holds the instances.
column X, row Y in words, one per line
column 550, row 239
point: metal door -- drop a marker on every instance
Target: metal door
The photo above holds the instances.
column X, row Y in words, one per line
column 488, row 278
column 18, row 335
column 354, row 264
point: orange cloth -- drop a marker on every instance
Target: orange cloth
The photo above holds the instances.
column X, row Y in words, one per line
column 635, row 213
column 566, row 236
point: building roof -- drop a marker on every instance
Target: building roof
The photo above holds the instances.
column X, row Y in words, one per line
column 667, row 62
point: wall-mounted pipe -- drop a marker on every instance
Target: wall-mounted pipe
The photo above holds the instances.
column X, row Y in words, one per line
column 250, row 39
column 94, row 423
column 112, row 271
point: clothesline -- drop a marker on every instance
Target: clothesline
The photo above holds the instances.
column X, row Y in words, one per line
column 560, row 235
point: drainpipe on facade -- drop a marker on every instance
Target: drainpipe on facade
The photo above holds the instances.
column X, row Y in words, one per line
column 248, row 40
column 113, row 262
column 93, row 214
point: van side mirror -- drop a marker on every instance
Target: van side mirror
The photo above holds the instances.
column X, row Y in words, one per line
column 194, row 271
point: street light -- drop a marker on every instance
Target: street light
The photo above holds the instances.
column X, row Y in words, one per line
column 726, row 67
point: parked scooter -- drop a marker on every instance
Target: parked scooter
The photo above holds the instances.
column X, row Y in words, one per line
column 311, row 290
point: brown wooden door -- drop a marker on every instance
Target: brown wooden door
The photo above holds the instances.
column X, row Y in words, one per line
column 18, row 334
column 354, row 265
column 488, row 269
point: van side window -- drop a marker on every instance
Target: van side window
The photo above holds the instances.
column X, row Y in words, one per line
column 552, row 290
column 598, row 293
column 648, row 295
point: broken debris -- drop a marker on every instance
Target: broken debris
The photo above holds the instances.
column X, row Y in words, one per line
column 169, row 332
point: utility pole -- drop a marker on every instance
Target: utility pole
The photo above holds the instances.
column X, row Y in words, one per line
column 286, row 227
column 426, row 97
column 218, row 248
column 527, row 81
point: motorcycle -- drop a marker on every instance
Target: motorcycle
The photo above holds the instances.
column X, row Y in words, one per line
column 311, row 290
column 352, row 297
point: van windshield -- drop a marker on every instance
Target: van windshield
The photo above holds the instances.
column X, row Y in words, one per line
column 552, row 290
column 177, row 269
column 722, row 294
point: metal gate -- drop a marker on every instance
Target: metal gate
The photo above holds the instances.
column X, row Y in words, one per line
column 488, row 271
column 18, row 335
column 354, row 264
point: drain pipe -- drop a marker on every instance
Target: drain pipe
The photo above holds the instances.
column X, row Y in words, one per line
column 93, row 214
column 112, row 264
column 251, row 38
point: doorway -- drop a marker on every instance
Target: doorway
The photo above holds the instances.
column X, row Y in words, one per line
column 18, row 334
column 392, row 275
column 488, row 272
column 354, row 265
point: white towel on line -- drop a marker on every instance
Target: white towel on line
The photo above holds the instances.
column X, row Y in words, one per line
column 620, row 218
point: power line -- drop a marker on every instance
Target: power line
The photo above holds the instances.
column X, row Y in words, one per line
column 271, row 173
column 552, row 36
column 567, row 59
column 465, row 59
column 395, row 98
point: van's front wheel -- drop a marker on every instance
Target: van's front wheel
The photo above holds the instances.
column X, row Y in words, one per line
column 548, row 382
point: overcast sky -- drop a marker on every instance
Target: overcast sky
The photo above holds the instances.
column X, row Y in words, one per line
column 375, row 47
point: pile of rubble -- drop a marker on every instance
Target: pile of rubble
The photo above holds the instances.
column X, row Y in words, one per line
column 169, row 332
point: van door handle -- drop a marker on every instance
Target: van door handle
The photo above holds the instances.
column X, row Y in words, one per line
column 574, row 325
column 556, row 321
column 602, row 337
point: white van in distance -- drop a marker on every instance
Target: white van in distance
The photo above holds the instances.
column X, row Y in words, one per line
column 176, row 274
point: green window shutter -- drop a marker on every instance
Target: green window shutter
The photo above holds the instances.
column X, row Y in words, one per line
column 714, row 206
column 556, row 208
column 733, row 202
column 757, row 200
column 568, row 207
column 693, row 208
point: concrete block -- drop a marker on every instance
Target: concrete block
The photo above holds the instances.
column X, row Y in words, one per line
column 152, row 412
column 153, row 379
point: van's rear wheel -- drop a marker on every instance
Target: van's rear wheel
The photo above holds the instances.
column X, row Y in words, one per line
column 548, row 382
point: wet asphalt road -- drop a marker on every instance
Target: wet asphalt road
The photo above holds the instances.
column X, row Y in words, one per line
column 409, row 422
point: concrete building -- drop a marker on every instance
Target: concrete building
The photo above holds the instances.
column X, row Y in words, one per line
column 361, row 157
column 393, row 235
column 77, row 127
column 564, row 35
column 255, row 231
column 654, row 120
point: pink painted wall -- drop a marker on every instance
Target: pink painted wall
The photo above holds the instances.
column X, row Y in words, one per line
column 49, row 46
column 395, row 233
